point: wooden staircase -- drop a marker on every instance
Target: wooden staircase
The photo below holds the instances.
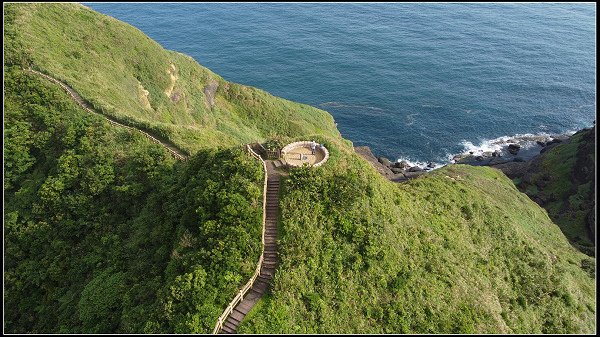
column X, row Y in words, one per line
column 269, row 263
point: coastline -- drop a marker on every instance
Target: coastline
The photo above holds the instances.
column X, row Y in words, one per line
column 511, row 154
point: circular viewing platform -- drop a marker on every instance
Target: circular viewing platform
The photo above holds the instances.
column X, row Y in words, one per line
column 301, row 153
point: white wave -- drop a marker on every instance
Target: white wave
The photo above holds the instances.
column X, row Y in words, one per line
column 488, row 146
column 421, row 164
column 500, row 144
column 526, row 141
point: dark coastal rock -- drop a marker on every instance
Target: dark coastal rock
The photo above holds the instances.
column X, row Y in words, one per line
column 398, row 178
column 554, row 141
column 550, row 145
column 518, row 160
column 431, row 165
column 415, row 169
column 411, row 175
column 591, row 221
column 514, row 148
column 512, row 169
column 479, row 158
column 365, row 152
column 385, row 161
column 396, row 170
column 466, row 160
column 402, row 164
column 540, row 143
column 497, row 161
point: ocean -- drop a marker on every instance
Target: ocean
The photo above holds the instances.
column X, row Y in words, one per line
column 414, row 81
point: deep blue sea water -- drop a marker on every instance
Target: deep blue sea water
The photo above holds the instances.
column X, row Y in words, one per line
column 415, row 81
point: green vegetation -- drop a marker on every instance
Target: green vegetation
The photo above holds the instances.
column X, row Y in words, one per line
column 562, row 181
column 458, row 251
column 106, row 233
column 125, row 74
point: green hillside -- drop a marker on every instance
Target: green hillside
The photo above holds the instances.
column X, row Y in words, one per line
column 562, row 180
column 125, row 74
column 106, row 233
column 458, row 251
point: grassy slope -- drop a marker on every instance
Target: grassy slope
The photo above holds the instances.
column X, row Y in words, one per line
column 461, row 250
column 562, row 180
column 112, row 69
column 105, row 232
column 359, row 254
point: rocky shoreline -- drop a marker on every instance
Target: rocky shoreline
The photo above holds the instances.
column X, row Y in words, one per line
column 513, row 150
column 512, row 155
column 398, row 171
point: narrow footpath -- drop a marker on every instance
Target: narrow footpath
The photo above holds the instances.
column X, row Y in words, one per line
column 175, row 152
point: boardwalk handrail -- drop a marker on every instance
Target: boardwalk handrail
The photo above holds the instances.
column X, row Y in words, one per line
column 240, row 295
column 77, row 98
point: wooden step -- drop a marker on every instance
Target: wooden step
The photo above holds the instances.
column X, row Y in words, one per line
column 237, row 315
column 267, row 270
column 230, row 326
column 260, row 288
column 246, row 305
column 233, row 320
column 263, row 280
column 227, row 330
